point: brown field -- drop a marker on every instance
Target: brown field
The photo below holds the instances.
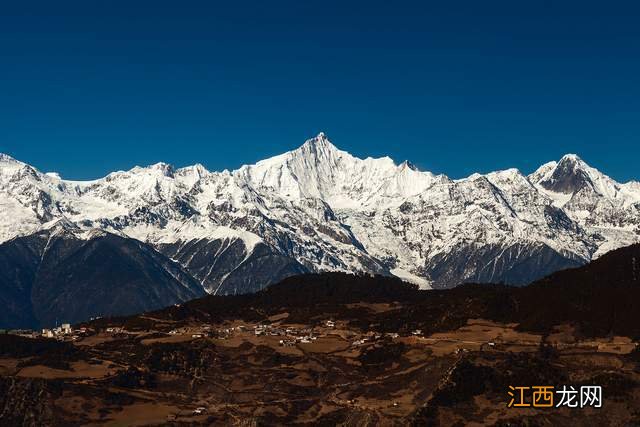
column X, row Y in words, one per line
column 79, row 369
column 145, row 378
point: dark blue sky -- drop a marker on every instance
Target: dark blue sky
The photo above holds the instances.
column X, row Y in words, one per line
column 456, row 87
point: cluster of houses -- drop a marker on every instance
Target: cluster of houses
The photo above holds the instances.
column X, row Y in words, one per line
column 64, row 331
column 293, row 340
column 225, row 333
column 205, row 331
column 372, row 336
column 292, row 336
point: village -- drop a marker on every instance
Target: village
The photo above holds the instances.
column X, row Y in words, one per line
column 325, row 335
column 287, row 335
column 64, row 332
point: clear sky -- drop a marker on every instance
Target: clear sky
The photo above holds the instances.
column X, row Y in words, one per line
column 87, row 87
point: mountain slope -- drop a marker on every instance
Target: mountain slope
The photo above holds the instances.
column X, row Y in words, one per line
column 228, row 266
column 63, row 275
column 599, row 299
column 318, row 208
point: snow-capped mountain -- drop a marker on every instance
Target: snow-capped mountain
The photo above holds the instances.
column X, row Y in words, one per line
column 318, row 208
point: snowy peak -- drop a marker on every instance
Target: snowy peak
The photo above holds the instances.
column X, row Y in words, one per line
column 159, row 169
column 319, row 208
column 5, row 158
column 573, row 158
column 543, row 172
column 317, row 153
column 316, row 150
column 408, row 165
column 569, row 176
column 9, row 165
column 163, row 168
column 311, row 171
column 319, row 143
column 510, row 180
column 572, row 177
column 345, row 181
column 196, row 170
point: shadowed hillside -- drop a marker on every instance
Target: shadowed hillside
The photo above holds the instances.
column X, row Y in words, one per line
column 601, row 298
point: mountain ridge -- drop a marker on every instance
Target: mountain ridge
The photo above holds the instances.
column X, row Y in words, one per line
column 318, row 208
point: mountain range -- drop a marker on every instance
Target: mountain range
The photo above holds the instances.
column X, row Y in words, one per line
column 65, row 246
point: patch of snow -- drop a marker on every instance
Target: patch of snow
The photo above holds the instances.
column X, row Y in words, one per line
column 411, row 278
